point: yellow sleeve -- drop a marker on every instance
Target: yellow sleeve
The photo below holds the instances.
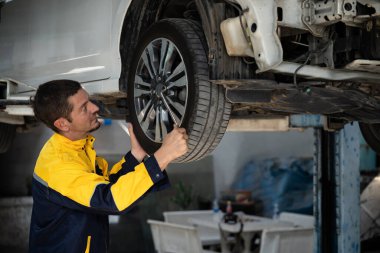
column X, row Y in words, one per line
column 125, row 165
column 94, row 191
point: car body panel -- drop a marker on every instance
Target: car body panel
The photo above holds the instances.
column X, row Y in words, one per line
column 50, row 39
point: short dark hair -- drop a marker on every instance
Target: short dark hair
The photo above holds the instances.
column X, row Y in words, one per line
column 51, row 101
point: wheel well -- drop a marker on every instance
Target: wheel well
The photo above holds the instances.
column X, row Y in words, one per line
column 180, row 9
column 142, row 13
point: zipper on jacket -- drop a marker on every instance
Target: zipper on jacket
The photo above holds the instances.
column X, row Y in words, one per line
column 88, row 244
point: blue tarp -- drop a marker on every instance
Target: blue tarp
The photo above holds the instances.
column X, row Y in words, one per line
column 282, row 184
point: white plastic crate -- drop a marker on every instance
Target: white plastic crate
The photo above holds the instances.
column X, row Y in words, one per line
column 287, row 240
column 208, row 236
column 175, row 238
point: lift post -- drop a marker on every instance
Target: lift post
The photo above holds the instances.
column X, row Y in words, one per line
column 336, row 185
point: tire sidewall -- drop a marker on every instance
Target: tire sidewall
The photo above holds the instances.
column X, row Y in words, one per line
column 7, row 133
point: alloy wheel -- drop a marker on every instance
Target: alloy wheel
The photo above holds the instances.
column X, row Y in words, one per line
column 160, row 89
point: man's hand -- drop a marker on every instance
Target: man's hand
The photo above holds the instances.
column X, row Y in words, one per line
column 174, row 145
column 137, row 151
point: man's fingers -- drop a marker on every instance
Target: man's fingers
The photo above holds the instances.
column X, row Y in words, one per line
column 131, row 133
column 131, row 137
column 181, row 130
column 178, row 128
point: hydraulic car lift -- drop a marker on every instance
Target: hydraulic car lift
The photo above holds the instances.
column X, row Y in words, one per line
column 336, row 185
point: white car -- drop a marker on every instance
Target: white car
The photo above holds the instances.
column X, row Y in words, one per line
column 195, row 63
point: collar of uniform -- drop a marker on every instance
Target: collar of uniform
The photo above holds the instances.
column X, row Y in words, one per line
column 77, row 145
column 90, row 140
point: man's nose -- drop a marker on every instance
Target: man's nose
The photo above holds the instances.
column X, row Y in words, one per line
column 94, row 107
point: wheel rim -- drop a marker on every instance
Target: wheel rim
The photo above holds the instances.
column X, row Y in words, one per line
column 160, row 89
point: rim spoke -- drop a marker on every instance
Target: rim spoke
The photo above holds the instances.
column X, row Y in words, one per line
column 179, row 107
column 140, row 92
column 141, row 82
column 158, row 135
column 169, row 59
column 178, row 70
column 163, row 56
column 152, row 57
column 174, row 117
column 164, row 117
column 150, row 116
column 147, row 64
column 182, row 82
column 142, row 114
column 143, row 89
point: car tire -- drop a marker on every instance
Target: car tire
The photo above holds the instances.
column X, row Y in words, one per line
column 371, row 134
column 7, row 133
column 170, row 70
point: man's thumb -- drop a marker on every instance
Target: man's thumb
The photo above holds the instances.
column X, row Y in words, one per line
column 130, row 129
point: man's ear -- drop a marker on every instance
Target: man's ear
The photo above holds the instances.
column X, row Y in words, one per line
column 62, row 124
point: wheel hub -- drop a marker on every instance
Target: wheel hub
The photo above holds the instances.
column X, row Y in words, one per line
column 159, row 89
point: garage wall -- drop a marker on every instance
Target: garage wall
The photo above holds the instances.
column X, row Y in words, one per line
column 238, row 148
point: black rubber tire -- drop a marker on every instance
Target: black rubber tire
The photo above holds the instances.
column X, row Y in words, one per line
column 208, row 112
column 371, row 134
column 7, row 133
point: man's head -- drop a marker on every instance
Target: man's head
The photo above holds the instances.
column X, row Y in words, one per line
column 65, row 108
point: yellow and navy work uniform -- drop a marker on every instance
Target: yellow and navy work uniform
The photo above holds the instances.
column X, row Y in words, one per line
column 74, row 192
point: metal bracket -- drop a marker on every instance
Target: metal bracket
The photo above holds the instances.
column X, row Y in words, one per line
column 16, row 90
column 16, row 97
column 261, row 16
column 310, row 19
column 326, row 56
column 317, row 15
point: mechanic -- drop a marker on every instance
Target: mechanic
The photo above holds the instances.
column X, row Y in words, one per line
column 73, row 190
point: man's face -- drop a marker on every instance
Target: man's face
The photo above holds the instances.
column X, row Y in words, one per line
column 84, row 114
